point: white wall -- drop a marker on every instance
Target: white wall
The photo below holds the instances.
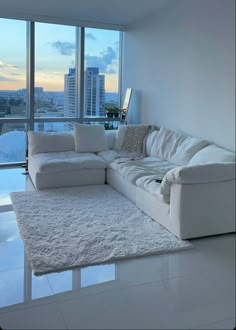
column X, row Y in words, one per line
column 181, row 64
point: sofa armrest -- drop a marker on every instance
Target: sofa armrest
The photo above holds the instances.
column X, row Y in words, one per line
column 206, row 173
column 203, row 209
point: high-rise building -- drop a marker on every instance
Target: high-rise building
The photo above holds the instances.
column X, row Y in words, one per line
column 69, row 93
column 94, row 92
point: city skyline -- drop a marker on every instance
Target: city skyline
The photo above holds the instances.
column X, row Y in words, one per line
column 54, row 54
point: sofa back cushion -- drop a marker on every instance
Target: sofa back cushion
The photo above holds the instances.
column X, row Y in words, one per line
column 40, row 142
column 111, row 138
column 149, row 142
column 212, row 154
column 175, row 147
column 131, row 138
column 90, row 138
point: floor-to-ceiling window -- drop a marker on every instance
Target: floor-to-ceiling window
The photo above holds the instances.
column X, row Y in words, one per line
column 52, row 76
column 55, row 47
column 101, row 78
column 13, row 105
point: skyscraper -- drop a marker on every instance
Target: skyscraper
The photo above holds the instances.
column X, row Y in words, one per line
column 69, row 93
column 94, row 92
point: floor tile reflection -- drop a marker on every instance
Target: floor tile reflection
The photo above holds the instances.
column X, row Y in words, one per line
column 14, row 287
column 97, row 274
column 11, row 255
column 11, row 180
column 8, row 227
column 81, row 278
column 60, row 282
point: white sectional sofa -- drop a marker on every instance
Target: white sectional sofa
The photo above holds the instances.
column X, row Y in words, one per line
column 185, row 184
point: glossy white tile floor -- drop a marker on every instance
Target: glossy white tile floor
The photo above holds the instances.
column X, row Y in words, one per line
column 192, row 289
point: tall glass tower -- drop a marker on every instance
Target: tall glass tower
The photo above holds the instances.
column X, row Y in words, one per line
column 94, row 93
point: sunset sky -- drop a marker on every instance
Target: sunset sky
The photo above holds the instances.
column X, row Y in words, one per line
column 54, row 54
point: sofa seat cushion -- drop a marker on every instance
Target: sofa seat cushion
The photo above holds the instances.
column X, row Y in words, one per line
column 54, row 162
column 133, row 169
column 149, row 183
column 110, row 155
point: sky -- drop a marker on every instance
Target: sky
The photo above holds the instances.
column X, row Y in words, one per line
column 54, row 54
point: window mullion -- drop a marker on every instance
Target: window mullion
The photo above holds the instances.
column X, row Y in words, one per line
column 30, row 73
column 120, row 67
column 80, row 65
column 77, row 72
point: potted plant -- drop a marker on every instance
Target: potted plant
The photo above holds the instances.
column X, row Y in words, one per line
column 109, row 127
column 116, row 112
column 112, row 110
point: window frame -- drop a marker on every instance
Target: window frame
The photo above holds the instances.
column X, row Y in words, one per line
column 30, row 118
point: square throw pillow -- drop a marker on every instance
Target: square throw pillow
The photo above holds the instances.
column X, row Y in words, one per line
column 90, row 138
column 131, row 138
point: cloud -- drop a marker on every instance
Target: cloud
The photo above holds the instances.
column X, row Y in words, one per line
column 47, row 74
column 64, row 48
column 15, row 74
column 12, row 66
column 8, row 66
column 104, row 61
column 90, row 36
column 5, row 79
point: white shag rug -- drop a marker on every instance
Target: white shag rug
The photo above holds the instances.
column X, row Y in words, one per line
column 80, row 226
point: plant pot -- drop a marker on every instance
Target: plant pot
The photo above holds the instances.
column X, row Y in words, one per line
column 109, row 115
column 116, row 115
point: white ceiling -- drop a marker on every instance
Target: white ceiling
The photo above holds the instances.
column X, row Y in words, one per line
column 114, row 12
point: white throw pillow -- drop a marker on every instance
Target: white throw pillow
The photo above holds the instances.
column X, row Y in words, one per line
column 40, row 142
column 175, row 147
column 212, row 154
column 90, row 138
